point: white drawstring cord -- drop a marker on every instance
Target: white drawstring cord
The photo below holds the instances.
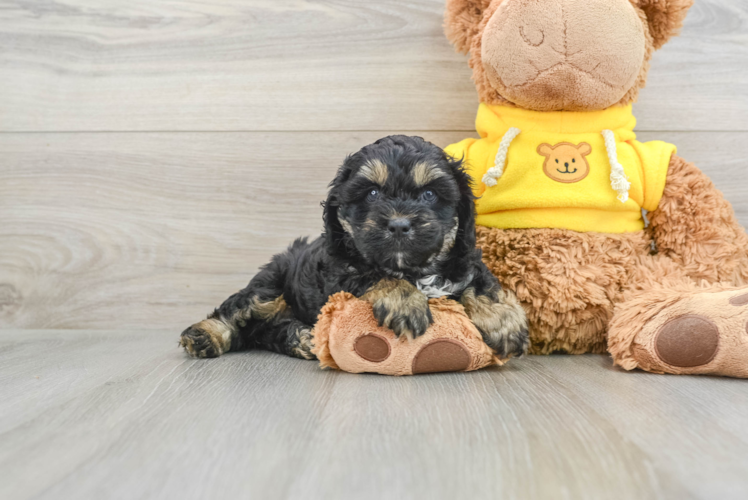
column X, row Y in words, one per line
column 618, row 180
column 497, row 170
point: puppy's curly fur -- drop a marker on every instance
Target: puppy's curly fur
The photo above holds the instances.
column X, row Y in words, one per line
column 399, row 227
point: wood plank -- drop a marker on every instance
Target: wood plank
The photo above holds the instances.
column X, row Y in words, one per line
column 82, row 417
column 290, row 65
column 153, row 230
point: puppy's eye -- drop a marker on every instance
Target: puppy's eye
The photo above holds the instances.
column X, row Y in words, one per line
column 428, row 196
column 373, row 195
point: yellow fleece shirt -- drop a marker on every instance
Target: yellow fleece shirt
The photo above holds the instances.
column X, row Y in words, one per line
column 557, row 172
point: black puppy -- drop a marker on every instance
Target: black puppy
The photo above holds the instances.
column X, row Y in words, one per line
column 399, row 228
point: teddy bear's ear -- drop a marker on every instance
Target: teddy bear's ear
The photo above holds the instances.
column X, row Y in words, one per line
column 665, row 17
column 545, row 150
column 461, row 20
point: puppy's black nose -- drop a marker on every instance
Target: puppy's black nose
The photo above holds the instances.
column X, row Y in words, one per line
column 399, row 227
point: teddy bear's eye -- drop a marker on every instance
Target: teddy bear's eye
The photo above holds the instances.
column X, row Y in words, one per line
column 556, row 160
column 573, row 160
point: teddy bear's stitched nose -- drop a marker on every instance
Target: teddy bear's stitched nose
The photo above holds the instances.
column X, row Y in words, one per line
column 566, row 164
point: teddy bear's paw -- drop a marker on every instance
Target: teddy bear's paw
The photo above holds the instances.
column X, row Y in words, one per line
column 202, row 340
column 698, row 333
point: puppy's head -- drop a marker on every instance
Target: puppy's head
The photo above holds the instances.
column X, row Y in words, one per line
column 402, row 205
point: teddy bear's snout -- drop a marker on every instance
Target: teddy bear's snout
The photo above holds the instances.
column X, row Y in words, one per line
column 537, row 62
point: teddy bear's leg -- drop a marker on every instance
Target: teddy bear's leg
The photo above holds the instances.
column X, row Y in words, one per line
column 695, row 226
column 681, row 327
column 686, row 308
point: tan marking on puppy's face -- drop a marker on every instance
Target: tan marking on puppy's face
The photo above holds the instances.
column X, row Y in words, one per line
column 376, row 171
column 565, row 162
column 423, row 173
column 449, row 242
column 345, row 225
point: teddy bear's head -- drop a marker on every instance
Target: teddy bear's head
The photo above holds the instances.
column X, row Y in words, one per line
column 551, row 55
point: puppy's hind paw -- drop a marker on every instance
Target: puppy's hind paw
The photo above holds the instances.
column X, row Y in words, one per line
column 199, row 342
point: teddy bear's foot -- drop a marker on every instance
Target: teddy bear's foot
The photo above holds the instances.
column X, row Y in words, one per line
column 683, row 332
column 347, row 337
column 438, row 355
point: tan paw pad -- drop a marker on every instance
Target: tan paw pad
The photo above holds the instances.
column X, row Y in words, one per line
column 441, row 355
column 740, row 300
column 372, row 347
column 687, row 341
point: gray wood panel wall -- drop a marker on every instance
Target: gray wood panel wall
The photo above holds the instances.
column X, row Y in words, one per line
column 154, row 154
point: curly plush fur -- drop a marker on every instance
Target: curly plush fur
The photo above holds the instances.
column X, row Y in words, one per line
column 568, row 282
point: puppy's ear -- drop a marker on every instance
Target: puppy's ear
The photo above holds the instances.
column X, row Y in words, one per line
column 465, row 242
column 335, row 235
column 461, row 20
column 664, row 17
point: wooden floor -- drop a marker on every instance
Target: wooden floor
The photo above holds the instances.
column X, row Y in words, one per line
column 125, row 414
column 153, row 154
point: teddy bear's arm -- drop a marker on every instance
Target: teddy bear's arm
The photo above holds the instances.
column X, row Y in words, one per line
column 696, row 227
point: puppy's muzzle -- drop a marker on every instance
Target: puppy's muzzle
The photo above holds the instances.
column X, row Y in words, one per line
column 399, row 227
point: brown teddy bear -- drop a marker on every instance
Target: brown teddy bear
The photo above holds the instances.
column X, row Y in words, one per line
column 562, row 182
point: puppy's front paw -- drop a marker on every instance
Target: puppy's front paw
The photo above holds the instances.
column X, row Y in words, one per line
column 200, row 343
column 401, row 307
column 508, row 344
column 501, row 321
column 410, row 316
